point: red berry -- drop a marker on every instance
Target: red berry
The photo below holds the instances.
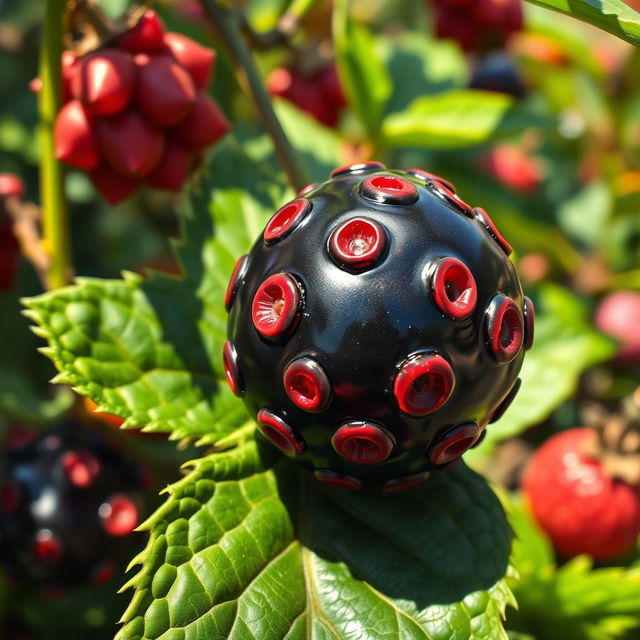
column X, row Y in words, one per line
column 513, row 167
column 104, row 81
column 203, row 125
column 174, row 168
column 195, row 58
column 146, row 37
column 131, row 145
column 164, row 91
column 111, row 185
column 582, row 509
column 11, row 185
column 74, row 137
column 618, row 315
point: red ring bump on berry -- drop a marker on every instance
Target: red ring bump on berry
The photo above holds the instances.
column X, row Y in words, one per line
column 276, row 306
column 359, row 166
column 285, row 220
column 449, row 196
column 423, row 384
column 357, row 243
column 337, row 480
column 362, row 442
column 506, row 402
column 454, row 288
column 231, row 369
column 280, row 434
column 80, row 468
column 307, row 385
column 490, row 226
column 234, row 281
column 46, row 546
column 405, row 482
column 504, row 328
column 119, row 515
column 389, row 189
column 310, row 187
column 529, row 322
column 454, row 443
column 431, row 177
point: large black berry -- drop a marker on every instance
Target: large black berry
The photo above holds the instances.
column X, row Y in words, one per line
column 68, row 500
column 376, row 327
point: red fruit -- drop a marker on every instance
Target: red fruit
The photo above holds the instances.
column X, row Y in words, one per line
column 104, row 81
column 174, row 168
column 581, row 508
column 111, row 185
column 618, row 315
column 513, row 167
column 74, row 137
column 146, row 37
column 130, row 144
column 195, row 58
column 331, row 86
column 165, row 92
column 203, row 125
column 11, row 185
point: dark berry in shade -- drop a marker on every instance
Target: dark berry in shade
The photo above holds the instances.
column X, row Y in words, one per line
column 69, row 502
column 376, row 327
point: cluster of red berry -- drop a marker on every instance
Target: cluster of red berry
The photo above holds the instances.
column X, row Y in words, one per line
column 137, row 111
column 477, row 25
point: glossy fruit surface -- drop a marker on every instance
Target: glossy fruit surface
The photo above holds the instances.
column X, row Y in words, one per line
column 376, row 326
column 68, row 501
column 582, row 509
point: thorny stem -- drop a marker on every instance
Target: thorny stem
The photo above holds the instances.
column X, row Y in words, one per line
column 226, row 23
column 55, row 215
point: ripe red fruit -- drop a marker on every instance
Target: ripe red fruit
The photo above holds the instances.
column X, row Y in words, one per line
column 11, row 185
column 618, row 315
column 104, row 81
column 111, row 185
column 512, row 166
column 581, row 508
column 130, row 144
column 203, row 125
column 74, row 137
column 146, row 37
column 195, row 58
column 164, row 91
column 173, row 169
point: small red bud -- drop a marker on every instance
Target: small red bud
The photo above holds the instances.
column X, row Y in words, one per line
column 165, row 92
column 111, row 185
column 174, row 168
column 104, row 81
column 195, row 58
column 74, row 138
column 146, row 37
column 203, row 125
column 131, row 145
column 11, row 185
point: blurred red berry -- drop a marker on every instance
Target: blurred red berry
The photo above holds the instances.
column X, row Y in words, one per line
column 203, row 125
column 195, row 58
column 113, row 186
column 146, row 37
column 74, row 137
column 11, row 185
column 173, row 169
column 618, row 315
column 513, row 167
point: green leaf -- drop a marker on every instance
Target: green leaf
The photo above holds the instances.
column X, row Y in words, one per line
column 249, row 545
column 454, row 119
column 150, row 350
column 365, row 79
column 613, row 16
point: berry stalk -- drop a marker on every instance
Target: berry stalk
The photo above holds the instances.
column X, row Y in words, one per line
column 227, row 26
column 55, row 220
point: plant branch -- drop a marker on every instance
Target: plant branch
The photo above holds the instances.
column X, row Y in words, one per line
column 227, row 23
column 54, row 205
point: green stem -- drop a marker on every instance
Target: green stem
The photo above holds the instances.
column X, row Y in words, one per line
column 227, row 26
column 55, row 219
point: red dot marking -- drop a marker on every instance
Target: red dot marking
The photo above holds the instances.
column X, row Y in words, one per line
column 357, row 243
column 286, row 219
column 505, row 329
column 234, row 281
column 432, row 177
column 360, row 166
column 280, row 434
column 47, row 547
column 454, row 288
column 389, row 189
column 307, row 385
column 337, row 480
column 423, row 384
column 452, row 199
column 119, row 515
column 451, row 445
column 276, row 306
column 529, row 322
column 406, row 482
column 362, row 443
column 80, row 468
column 506, row 402
column 9, row 497
column 307, row 189
column 231, row 369
column 490, row 226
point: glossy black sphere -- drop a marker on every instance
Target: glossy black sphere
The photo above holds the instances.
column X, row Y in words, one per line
column 376, row 327
column 68, row 502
